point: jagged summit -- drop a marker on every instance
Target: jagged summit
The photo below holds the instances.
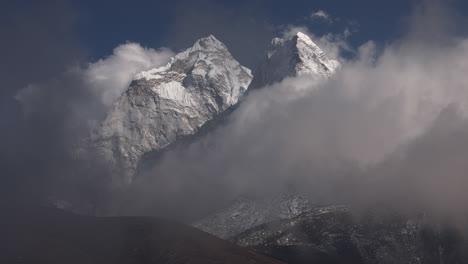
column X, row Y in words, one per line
column 197, row 52
column 209, row 43
column 165, row 103
column 293, row 57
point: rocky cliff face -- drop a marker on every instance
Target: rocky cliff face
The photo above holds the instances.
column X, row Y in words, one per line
column 166, row 103
column 293, row 57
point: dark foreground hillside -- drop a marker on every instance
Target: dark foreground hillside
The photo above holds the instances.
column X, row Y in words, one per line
column 45, row 235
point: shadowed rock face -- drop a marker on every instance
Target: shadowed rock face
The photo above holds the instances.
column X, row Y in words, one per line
column 166, row 103
column 42, row 235
column 333, row 235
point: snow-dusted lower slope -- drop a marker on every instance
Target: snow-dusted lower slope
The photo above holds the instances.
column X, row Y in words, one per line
column 336, row 234
column 293, row 57
column 246, row 213
column 169, row 102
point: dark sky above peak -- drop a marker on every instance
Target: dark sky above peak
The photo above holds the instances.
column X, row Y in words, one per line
column 246, row 27
column 99, row 26
column 41, row 39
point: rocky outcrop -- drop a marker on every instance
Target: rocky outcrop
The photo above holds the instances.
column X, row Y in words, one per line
column 292, row 57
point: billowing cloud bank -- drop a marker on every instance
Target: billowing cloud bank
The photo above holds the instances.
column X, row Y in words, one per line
column 107, row 78
column 391, row 127
column 57, row 114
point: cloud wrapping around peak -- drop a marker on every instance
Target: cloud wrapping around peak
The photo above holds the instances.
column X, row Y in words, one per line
column 389, row 127
column 105, row 79
column 109, row 77
column 58, row 113
column 333, row 44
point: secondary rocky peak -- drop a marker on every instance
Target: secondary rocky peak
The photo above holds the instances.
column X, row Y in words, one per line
column 293, row 57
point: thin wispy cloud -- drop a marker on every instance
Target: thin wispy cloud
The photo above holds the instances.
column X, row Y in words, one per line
column 322, row 16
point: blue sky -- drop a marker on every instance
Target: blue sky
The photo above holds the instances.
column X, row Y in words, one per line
column 242, row 25
column 246, row 27
column 95, row 28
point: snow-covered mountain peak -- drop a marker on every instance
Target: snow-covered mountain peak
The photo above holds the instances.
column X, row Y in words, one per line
column 291, row 57
column 303, row 37
column 163, row 104
column 295, row 40
column 209, row 43
column 202, row 52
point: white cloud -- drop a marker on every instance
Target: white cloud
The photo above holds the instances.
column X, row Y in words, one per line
column 105, row 79
column 291, row 30
column 109, row 77
column 390, row 126
column 322, row 16
column 26, row 97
